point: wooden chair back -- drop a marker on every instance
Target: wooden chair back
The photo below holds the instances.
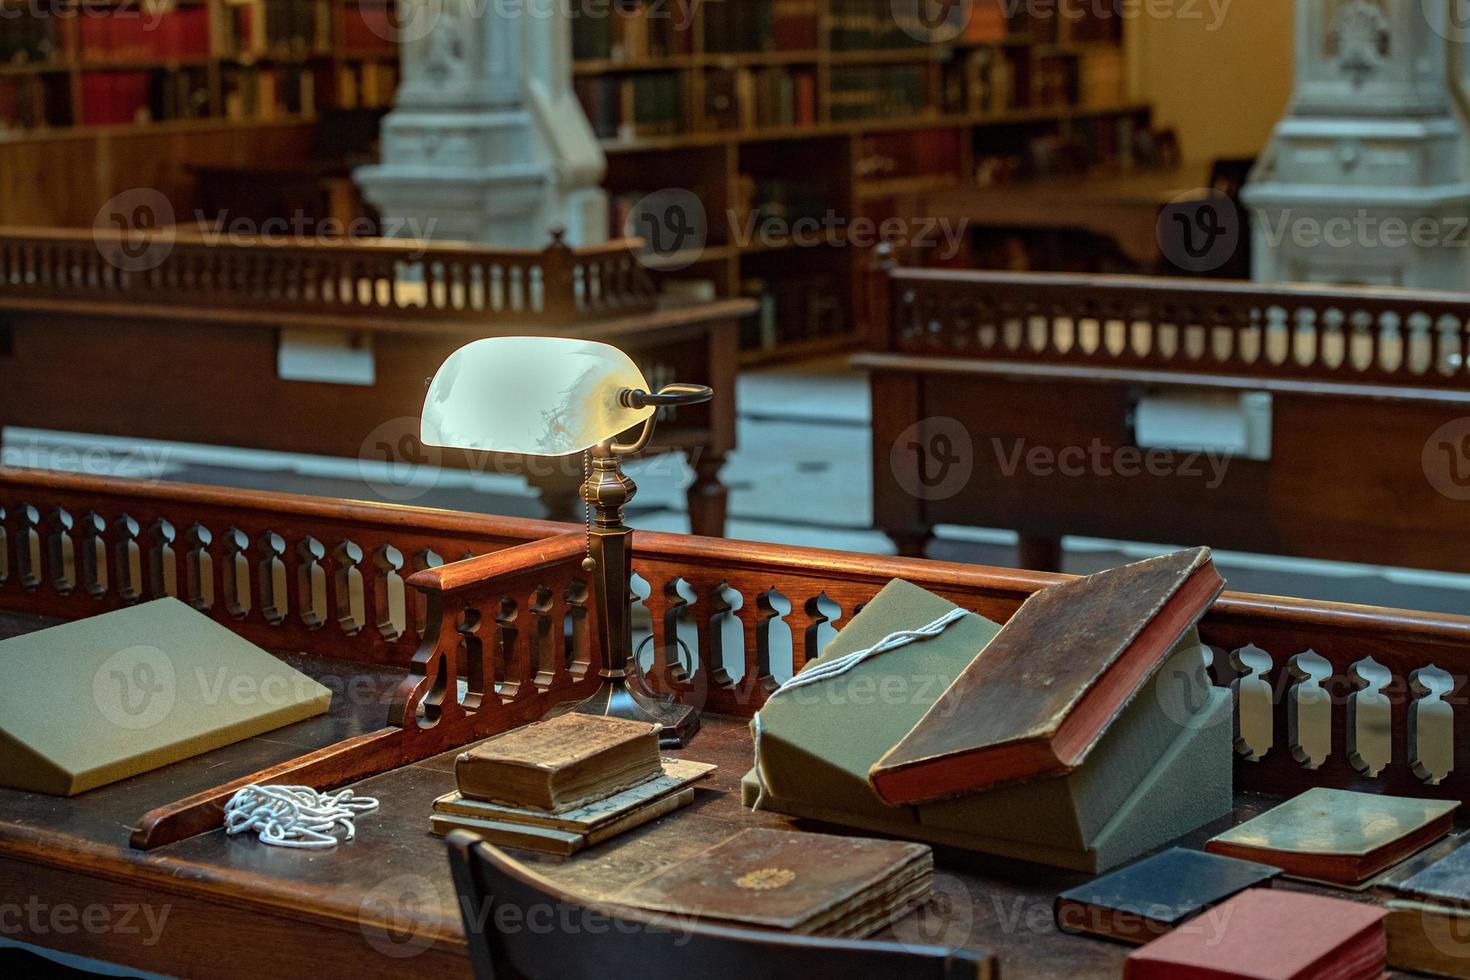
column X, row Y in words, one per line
column 518, row 924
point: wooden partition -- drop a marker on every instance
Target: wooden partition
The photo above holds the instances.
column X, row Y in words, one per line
column 1327, row 694
column 1368, row 388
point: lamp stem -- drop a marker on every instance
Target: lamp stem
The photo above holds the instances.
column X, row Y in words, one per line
column 610, row 546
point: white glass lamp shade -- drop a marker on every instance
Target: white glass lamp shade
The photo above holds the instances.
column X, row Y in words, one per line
column 537, row 396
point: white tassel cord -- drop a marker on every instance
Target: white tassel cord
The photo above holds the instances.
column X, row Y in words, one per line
column 829, row 669
column 295, row 816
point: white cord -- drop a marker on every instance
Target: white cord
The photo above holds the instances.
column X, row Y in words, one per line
column 295, row 816
column 829, row 669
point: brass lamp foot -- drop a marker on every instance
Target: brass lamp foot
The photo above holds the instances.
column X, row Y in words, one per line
column 619, row 699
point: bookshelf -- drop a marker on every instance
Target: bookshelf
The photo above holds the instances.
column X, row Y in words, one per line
column 766, row 110
column 774, row 110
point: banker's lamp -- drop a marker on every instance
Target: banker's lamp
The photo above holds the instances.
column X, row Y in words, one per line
column 553, row 396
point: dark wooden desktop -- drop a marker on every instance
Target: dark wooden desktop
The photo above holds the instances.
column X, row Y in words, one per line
column 1362, row 382
column 97, row 336
column 383, row 905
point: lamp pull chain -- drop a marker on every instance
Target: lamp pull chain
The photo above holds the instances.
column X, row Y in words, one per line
column 589, row 564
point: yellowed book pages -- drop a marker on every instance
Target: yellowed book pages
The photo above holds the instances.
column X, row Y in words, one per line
column 91, row 702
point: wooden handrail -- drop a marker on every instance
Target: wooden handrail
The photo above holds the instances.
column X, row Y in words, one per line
column 1354, row 335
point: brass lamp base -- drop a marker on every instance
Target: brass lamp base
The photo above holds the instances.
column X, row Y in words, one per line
column 622, row 699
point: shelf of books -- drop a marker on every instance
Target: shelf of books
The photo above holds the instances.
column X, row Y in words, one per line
column 801, row 125
column 120, row 63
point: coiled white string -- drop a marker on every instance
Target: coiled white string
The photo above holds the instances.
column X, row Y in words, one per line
column 829, row 669
column 295, row 816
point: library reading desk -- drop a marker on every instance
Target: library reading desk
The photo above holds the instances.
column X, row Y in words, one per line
column 186, row 305
column 1361, row 390
column 383, row 905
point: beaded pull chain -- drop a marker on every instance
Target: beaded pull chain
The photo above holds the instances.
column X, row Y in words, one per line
column 589, row 564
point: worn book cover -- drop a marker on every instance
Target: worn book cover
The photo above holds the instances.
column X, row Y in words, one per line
column 560, row 763
column 1269, row 934
column 1146, row 899
column 1428, row 902
column 1048, row 686
column 810, row 884
column 1190, row 786
column 100, row 699
column 561, row 841
column 1338, row 836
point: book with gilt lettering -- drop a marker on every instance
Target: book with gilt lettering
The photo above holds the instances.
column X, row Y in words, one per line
column 1338, row 836
column 1054, row 679
column 1147, row 899
column 1269, row 934
column 808, row 884
column 561, row 763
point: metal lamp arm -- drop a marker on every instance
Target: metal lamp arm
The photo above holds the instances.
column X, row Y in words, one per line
column 668, row 395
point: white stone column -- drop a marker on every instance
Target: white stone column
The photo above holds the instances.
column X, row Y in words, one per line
column 487, row 139
column 1366, row 179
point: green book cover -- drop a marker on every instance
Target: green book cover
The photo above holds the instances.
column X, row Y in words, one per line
column 100, row 699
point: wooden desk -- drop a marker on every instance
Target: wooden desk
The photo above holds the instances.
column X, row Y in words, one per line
column 1362, row 384
column 187, row 350
column 1122, row 206
column 382, row 906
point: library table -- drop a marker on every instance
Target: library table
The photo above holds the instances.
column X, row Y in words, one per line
column 1014, row 400
column 197, row 903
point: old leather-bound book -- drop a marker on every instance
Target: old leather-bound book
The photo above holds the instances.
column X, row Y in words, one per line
column 1147, row 899
column 810, row 884
column 560, row 763
column 1044, row 691
column 1269, row 934
column 1429, row 912
column 1338, row 836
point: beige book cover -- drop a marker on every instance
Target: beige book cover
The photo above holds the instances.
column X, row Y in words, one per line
column 91, row 702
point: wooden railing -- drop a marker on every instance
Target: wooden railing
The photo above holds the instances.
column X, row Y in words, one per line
column 1326, row 694
column 190, row 267
column 1179, row 326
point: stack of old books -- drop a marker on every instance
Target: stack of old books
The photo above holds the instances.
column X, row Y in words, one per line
column 1081, row 734
column 561, row 785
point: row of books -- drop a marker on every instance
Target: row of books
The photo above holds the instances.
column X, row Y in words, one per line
column 33, row 102
column 791, row 308
column 761, row 25
column 117, row 98
column 747, row 98
column 257, row 28
column 27, row 40
column 877, row 92
column 873, row 25
column 132, row 34
column 634, row 106
column 269, row 93
column 368, row 85
column 617, row 34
